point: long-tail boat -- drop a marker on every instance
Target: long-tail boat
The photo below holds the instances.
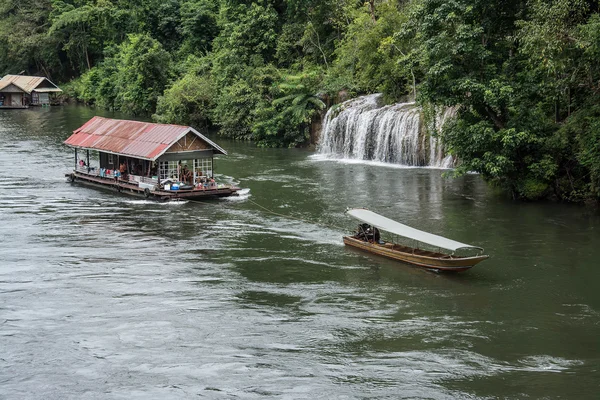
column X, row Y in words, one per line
column 367, row 238
column 149, row 160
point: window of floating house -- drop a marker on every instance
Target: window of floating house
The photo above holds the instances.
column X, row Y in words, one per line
column 15, row 99
column 167, row 169
column 44, row 98
column 204, row 165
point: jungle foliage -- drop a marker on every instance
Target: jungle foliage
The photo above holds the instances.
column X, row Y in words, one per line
column 524, row 76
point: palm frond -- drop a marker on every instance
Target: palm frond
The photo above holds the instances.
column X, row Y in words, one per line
column 284, row 99
column 317, row 102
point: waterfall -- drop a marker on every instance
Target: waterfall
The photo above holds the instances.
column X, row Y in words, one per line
column 365, row 129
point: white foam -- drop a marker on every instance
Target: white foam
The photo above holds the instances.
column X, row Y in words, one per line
column 353, row 161
column 139, row 202
column 174, row 202
column 243, row 194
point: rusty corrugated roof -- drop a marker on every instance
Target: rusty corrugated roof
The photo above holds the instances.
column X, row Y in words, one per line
column 131, row 138
column 27, row 83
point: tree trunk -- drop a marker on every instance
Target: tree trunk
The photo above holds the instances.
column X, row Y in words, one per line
column 318, row 45
column 569, row 101
column 414, row 85
column 497, row 121
column 372, row 10
column 87, row 59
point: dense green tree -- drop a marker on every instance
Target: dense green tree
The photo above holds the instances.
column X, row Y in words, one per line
column 198, row 26
column 84, row 30
column 143, row 73
column 130, row 79
column 190, row 99
column 285, row 121
column 505, row 65
column 24, row 45
column 161, row 19
column 242, row 51
column 367, row 57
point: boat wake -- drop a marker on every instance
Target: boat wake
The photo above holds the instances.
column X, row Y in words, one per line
column 139, row 202
column 174, row 202
column 242, row 195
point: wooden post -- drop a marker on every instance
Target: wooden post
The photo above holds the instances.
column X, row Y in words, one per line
column 158, row 171
column 194, row 167
column 88, row 160
column 75, row 159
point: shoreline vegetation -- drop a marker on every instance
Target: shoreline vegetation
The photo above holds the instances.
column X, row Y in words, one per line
column 524, row 76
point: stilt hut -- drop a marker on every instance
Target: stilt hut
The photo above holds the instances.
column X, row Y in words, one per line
column 19, row 91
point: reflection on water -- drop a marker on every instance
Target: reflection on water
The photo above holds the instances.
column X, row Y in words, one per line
column 108, row 296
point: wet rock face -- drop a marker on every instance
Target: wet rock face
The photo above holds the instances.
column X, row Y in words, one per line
column 365, row 129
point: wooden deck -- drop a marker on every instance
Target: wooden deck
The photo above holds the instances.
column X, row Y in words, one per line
column 132, row 188
column 13, row 107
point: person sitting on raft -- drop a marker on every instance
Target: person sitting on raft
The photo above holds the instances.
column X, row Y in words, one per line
column 186, row 175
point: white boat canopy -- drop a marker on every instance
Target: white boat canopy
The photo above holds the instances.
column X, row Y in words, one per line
column 389, row 225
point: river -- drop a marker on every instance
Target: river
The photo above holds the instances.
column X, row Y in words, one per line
column 104, row 296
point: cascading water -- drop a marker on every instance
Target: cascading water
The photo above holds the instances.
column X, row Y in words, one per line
column 364, row 129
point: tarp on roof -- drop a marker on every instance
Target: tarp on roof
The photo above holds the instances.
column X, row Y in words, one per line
column 47, row 90
column 29, row 83
column 389, row 225
column 137, row 139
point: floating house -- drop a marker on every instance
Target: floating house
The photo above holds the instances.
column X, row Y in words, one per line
column 19, row 91
column 145, row 159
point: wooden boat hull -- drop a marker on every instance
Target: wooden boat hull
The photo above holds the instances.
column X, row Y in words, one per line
column 131, row 189
column 440, row 262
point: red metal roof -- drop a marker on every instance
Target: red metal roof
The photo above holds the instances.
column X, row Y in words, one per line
column 131, row 138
